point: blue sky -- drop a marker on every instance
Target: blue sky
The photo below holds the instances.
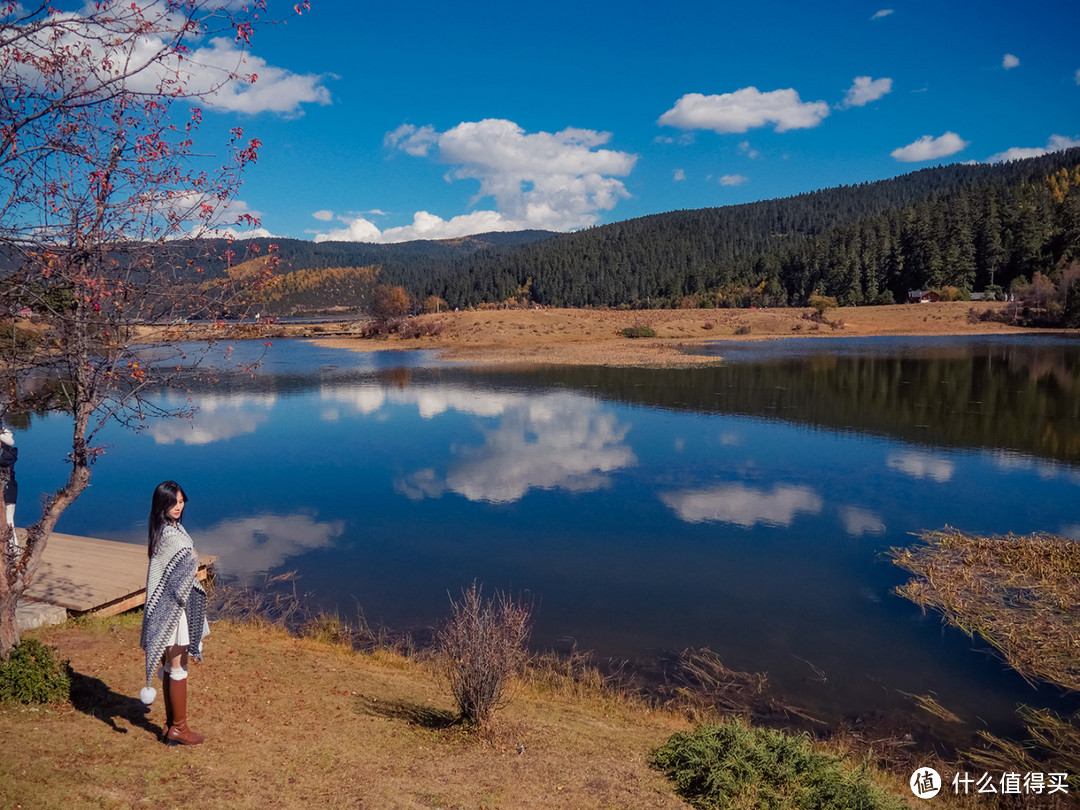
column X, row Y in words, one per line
column 432, row 120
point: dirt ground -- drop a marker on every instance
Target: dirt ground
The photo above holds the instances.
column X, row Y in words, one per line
column 593, row 337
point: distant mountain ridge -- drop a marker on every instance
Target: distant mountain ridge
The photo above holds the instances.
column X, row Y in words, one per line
column 963, row 225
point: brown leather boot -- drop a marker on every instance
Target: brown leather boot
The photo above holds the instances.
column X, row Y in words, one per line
column 168, row 703
column 179, row 733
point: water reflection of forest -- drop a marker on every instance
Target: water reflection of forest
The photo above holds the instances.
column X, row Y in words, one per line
column 1022, row 398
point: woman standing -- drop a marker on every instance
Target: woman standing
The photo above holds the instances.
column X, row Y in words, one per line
column 174, row 620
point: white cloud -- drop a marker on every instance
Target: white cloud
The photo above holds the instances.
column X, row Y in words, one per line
column 276, row 90
column 1078, row 77
column 229, row 232
column 685, row 139
column 748, row 150
column 415, row 141
column 743, row 505
column 865, row 90
column 858, row 522
column 929, row 148
column 921, row 465
column 1056, row 143
column 679, row 175
column 551, row 181
column 207, row 217
column 1009, row 61
column 745, row 109
column 733, row 179
column 324, row 216
column 424, row 226
column 885, row 12
column 206, row 71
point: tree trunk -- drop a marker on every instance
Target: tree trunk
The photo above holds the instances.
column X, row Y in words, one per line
column 9, row 622
column 19, row 569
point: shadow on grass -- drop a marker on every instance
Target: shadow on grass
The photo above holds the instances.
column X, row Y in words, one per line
column 423, row 716
column 93, row 696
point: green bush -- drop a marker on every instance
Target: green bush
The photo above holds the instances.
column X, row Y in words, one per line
column 32, row 675
column 822, row 302
column 638, row 331
column 737, row 766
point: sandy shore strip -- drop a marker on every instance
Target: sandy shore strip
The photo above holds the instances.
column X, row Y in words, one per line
column 593, row 337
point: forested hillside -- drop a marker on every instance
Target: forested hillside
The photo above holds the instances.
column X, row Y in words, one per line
column 966, row 226
column 961, row 226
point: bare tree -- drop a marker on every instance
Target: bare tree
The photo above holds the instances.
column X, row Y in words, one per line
column 101, row 193
column 482, row 648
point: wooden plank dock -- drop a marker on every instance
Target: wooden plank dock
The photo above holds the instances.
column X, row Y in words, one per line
column 91, row 577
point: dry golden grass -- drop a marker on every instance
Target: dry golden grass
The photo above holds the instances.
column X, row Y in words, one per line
column 593, row 336
column 294, row 722
column 1021, row 594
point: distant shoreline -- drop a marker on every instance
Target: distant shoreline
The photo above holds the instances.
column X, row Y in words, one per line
column 594, row 336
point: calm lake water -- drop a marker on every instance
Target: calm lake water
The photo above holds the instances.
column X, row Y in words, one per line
column 743, row 507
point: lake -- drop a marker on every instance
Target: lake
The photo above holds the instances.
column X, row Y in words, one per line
column 743, row 507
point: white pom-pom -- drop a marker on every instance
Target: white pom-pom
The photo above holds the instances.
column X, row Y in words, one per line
column 147, row 695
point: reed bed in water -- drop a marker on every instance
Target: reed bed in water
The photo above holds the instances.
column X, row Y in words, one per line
column 1020, row 593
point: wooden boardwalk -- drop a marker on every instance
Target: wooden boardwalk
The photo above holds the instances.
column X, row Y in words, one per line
column 88, row 576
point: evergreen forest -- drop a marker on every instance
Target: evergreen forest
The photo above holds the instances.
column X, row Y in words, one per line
column 961, row 228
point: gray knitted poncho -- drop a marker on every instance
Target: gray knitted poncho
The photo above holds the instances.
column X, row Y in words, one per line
column 172, row 589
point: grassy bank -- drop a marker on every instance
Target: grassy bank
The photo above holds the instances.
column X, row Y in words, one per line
column 302, row 722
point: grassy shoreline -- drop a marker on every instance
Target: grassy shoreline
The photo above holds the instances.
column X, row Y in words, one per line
column 296, row 721
column 595, row 336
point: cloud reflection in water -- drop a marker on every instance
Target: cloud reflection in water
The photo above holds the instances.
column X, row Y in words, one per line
column 553, row 441
column 248, row 547
column 220, row 417
column 743, row 505
column 921, row 465
column 858, row 522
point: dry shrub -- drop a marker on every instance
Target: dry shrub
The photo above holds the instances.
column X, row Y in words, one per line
column 638, row 330
column 481, row 649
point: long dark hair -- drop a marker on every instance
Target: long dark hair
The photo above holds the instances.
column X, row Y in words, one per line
column 164, row 500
